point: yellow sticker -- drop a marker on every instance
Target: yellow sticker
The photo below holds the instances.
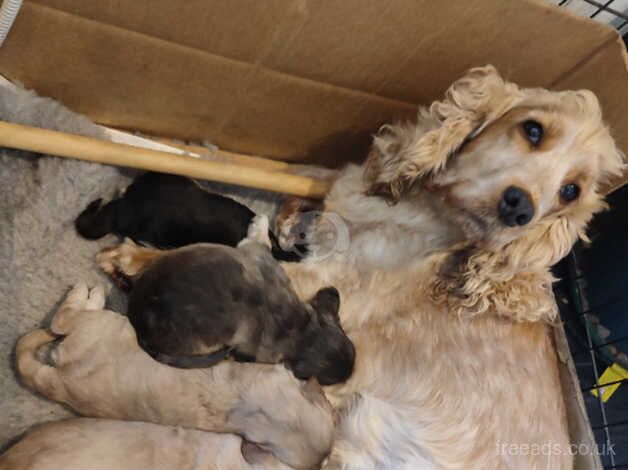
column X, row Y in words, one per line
column 613, row 373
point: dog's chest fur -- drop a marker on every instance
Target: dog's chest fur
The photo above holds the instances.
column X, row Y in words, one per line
column 423, row 377
column 427, row 378
column 442, row 380
column 374, row 235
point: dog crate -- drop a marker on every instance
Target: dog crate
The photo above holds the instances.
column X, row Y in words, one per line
column 611, row 12
column 592, row 296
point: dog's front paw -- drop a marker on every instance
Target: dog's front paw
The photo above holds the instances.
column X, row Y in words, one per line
column 288, row 235
column 295, row 222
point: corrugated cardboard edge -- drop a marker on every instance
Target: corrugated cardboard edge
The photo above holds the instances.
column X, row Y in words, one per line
column 578, row 421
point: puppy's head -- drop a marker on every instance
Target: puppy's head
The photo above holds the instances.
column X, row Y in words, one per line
column 519, row 170
column 324, row 351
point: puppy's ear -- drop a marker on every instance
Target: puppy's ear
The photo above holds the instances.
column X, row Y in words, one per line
column 326, row 301
column 313, row 391
column 402, row 153
column 256, row 455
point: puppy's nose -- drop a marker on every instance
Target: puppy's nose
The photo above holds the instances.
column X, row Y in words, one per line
column 515, row 207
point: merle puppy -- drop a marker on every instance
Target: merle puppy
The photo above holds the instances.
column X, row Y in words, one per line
column 194, row 306
column 170, row 211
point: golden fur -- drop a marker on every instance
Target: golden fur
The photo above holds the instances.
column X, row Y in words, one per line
column 449, row 310
column 454, row 356
column 99, row 370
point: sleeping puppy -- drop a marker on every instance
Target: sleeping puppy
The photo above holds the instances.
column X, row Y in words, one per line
column 102, row 444
column 170, row 211
column 187, row 302
column 99, row 370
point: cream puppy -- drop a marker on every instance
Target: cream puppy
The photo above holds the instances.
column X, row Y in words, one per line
column 99, row 370
column 101, row 444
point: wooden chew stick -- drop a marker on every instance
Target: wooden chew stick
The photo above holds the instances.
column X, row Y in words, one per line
column 219, row 154
column 86, row 148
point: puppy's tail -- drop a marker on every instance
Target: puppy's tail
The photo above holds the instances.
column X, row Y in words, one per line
column 34, row 373
column 96, row 220
column 196, row 361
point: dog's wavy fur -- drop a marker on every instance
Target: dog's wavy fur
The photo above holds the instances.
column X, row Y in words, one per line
column 405, row 151
column 449, row 310
column 499, row 276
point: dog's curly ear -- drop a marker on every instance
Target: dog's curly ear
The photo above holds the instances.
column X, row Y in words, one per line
column 514, row 281
column 404, row 152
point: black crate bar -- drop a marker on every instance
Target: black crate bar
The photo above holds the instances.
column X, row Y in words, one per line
column 574, row 279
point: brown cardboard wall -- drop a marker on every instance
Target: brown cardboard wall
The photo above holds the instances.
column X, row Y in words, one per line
column 295, row 79
column 402, row 49
column 130, row 80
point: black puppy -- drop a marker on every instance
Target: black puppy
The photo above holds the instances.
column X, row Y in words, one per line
column 170, row 211
column 188, row 302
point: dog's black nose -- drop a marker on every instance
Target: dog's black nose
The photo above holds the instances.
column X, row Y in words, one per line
column 515, row 207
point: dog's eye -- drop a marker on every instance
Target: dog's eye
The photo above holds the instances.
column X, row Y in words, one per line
column 569, row 192
column 533, row 131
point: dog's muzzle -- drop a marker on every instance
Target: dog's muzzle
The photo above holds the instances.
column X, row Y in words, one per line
column 515, row 207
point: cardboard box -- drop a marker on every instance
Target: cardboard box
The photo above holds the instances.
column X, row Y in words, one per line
column 304, row 79
column 297, row 79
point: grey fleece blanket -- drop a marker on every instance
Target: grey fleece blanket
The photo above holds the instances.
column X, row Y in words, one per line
column 41, row 255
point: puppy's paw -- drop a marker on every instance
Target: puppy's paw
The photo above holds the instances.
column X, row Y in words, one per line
column 258, row 230
column 75, row 301
column 107, row 259
column 96, row 300
column 115, row 261
column 78, row 295
column 125, row 258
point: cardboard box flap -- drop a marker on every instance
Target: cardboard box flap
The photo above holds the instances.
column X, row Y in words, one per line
column 238, row 30
column 293, row 79
column 406, row 50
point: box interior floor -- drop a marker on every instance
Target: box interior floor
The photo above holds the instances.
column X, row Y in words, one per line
column 41, row 255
